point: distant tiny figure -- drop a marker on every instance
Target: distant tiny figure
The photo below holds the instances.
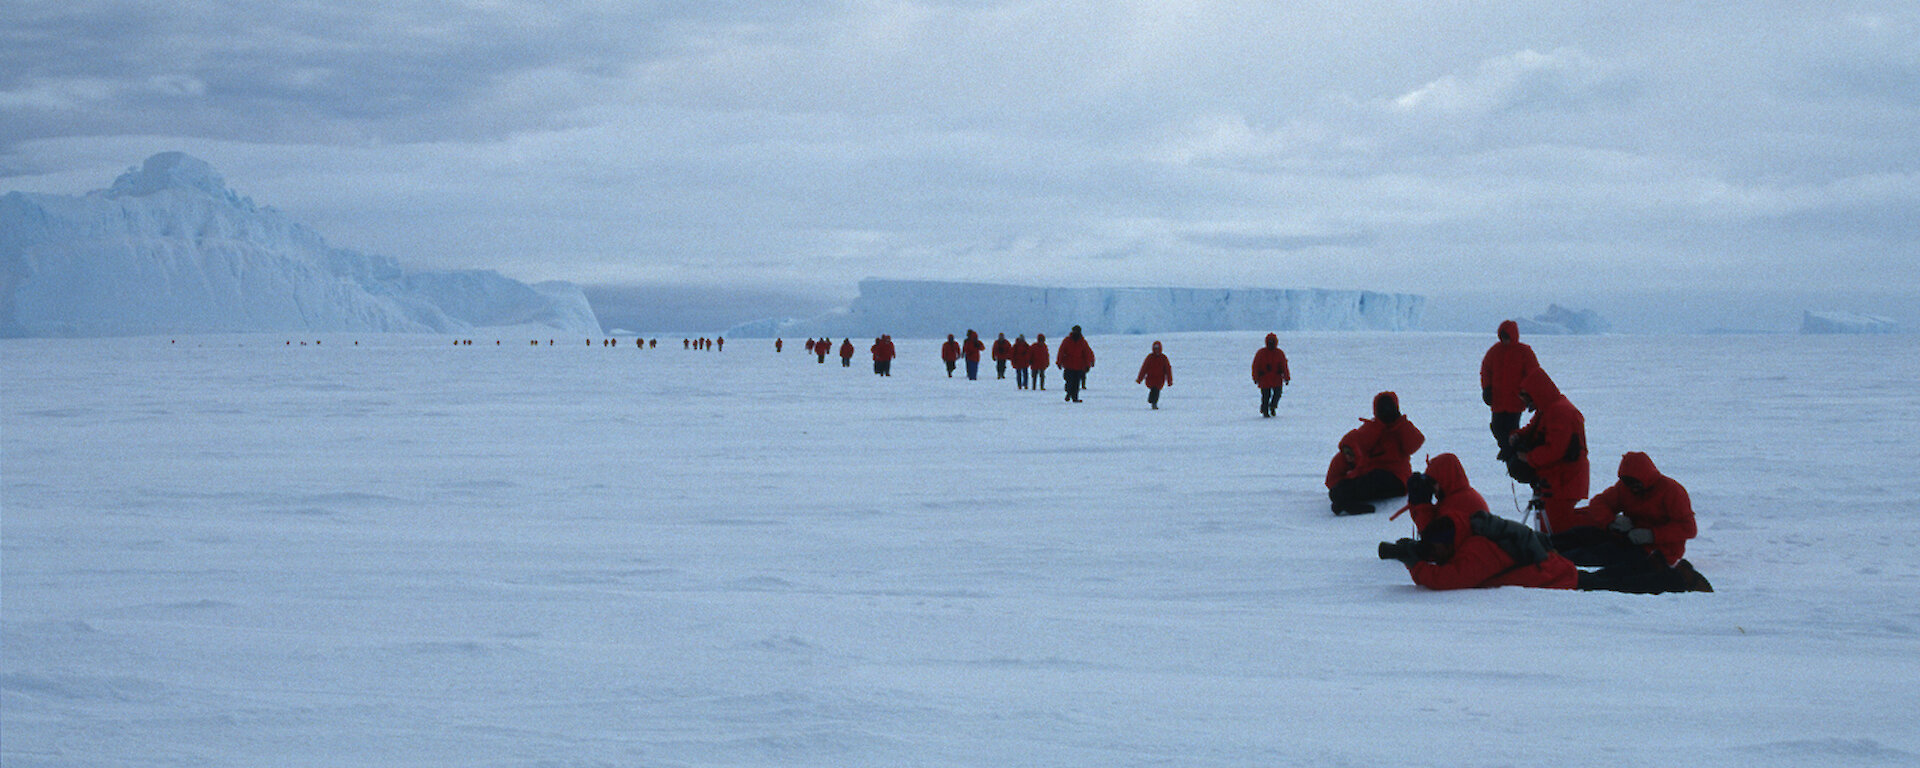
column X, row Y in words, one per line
column 1020, row 355
column 1502, row 369
column 1374, row 459
column 846, row 353
column 720, row 344
column 686, row 344
column 950, row 353
column 883, row 354
column 777, row 344
column 1074, row 360
column 1156, row 372
column 1002, row 351
column 1037, row 360
column 1270, row 374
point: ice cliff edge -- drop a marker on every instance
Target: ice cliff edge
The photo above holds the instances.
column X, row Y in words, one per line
column 169, row 249
column 921, row 309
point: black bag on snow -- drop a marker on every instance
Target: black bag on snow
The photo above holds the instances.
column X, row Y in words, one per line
column 1521, row 543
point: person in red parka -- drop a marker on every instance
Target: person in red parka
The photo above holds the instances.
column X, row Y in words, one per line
column 1643, row 549
column 971, row 350
column 1074, row 359
column 1002, row 351
column 1021, row 352
column 950, row 353
column 1374, row 459
column 1156, row 372
column 1270, row 374
column 777, row 344
column 1502, row 369
column 1037, row 360
column 846, row 353
column 1462, row 546
column 1550, row 454
column 883, row 355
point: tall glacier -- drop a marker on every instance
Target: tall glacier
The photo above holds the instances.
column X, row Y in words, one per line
column 169, row 249
column 922, row 309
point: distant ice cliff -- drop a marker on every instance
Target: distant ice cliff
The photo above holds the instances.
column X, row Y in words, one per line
column 169, row 249
column 920, row 309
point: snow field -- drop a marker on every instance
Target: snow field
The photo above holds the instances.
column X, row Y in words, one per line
column 226, row 551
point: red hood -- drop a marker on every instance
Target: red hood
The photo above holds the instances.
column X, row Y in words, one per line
column 1509, row 331
column 1447, row 474
column 1273, row 340
column 1156, row 346
column 1539, row 386
column 1640, row 467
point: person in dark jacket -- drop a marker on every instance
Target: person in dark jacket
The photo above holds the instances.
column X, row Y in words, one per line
column 1502, row 369
column 1270, row 374
column 950, row 354
column 1644, row 548
column 1463, row 546
column 971, row 350
column 1550, row 454
column 1037, row 360
column 1374, row 459
column 1074, row 359
column 1002, row 352
column 1022, row 353
column 1155, row 372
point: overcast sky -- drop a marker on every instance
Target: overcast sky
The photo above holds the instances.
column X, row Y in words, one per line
column 1433, row 147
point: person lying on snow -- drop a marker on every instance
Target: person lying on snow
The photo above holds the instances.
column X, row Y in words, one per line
column 1461, row 545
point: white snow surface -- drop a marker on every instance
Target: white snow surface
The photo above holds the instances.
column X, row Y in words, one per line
column 228, row 551
column 933, row 309
column 169, row 249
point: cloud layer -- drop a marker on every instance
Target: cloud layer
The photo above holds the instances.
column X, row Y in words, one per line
column 807, row 144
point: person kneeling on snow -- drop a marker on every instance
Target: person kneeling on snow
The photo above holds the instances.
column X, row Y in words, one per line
column 1643, row 546
column 1374, row 459
column 1462, row 545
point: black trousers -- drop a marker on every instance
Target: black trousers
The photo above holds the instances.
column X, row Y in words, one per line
column 1074, row 381
column 1372, row 486
column 1502, row 426
column 1001, row 365
column 1269, row 400
column 1153, row 395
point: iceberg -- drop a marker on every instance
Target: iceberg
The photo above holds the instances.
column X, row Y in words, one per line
column 1560, row 321
column 168, row 248
column 930, row 309
column 1846, row 322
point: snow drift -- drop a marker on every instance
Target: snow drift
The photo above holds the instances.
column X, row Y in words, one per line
column 169, row 249
column 1846, row 322
column 921, row 309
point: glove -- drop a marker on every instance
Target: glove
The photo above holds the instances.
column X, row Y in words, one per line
column 1419, row 489
column 1621, row 524
column 1640, row 537
column 1486, row 395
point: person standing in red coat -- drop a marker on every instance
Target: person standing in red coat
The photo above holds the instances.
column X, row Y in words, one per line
column 1156, row 372
column 1374, row 459
column 1074, row 359
column 971, row 351
column 1021, row 352
column 777, row 344
column 1550, row 454
column 1463, row 546
column 1037, row 360
column 1502, row 369
column 846, row 353
column 1270, row 374
column 1002, row 351
column 950, row 354
column 883, row 355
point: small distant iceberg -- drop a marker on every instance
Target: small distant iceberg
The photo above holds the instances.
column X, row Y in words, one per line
column 1846, row 322
column 1562, row 321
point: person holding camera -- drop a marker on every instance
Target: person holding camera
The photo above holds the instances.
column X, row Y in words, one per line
column 1643, row 548
column 1463, row 546
column 1550, row 454
column 1374, row 459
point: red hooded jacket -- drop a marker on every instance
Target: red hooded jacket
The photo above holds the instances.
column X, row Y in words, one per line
column 1506, row 363
column 1075, row 355
column 950, row 351
column 1473, row 560
column 973, row 347
column 1379, row 443
column 1556, row 438
column 1021, row 351
column 1037, row 353
column 1663, row 508
column 1155, row 371
column 846, row 349
column 1270, row 365
column 1002, row 349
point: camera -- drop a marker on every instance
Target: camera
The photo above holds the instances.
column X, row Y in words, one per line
column 1404, row 550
